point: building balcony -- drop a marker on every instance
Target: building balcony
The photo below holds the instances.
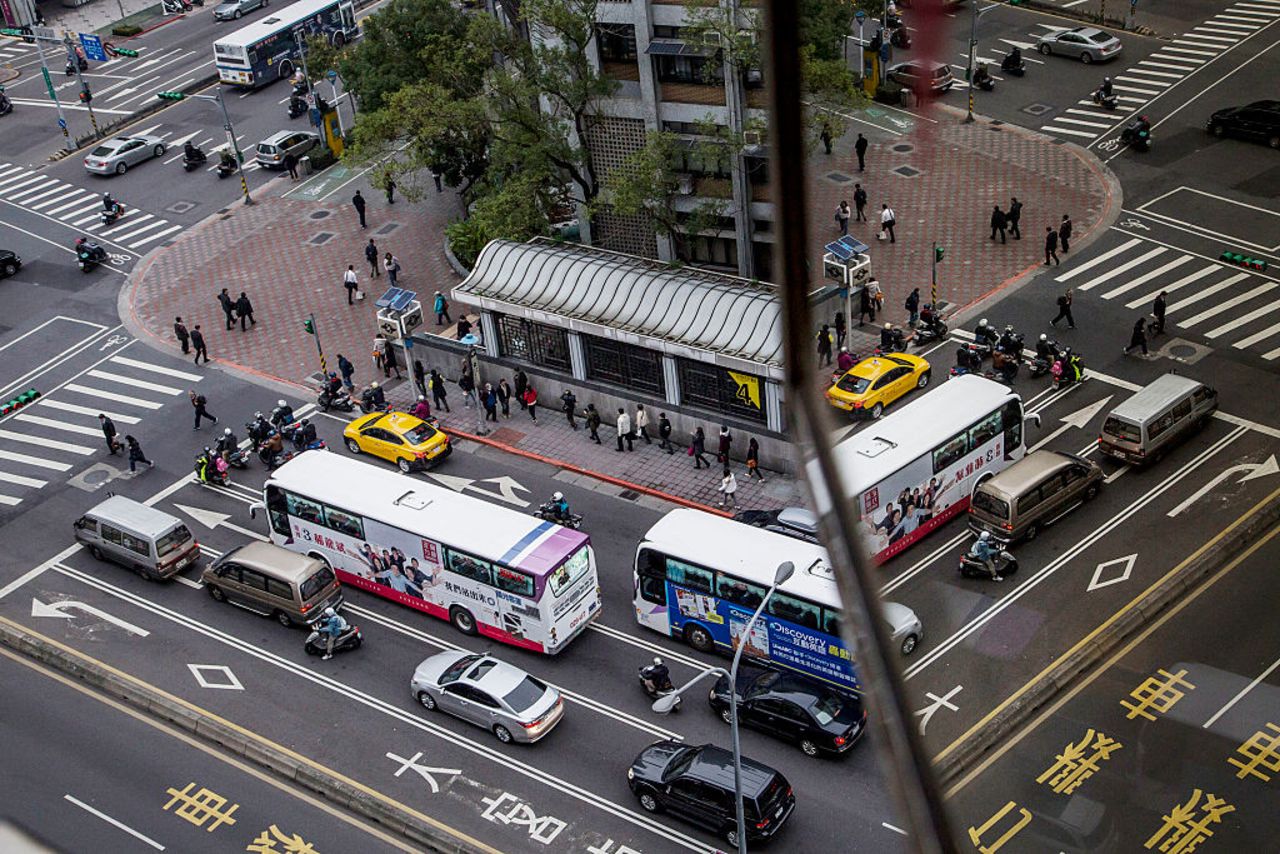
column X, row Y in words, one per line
column 715, row 188
column 761, row 193
column 692, row 93
column 758, row 98
column 620, row 70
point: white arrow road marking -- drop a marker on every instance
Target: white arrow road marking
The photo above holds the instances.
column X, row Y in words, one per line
column 1255, row 470
column 422, row 770
column 508, row 486
column 57, row 609
column 457, row 484
column 212, row 519
column 1078, row 419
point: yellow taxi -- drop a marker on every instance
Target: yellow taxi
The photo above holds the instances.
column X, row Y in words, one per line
column 409, row 442
column 872, row 384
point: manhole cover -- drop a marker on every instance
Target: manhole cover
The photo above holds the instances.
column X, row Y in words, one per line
column 387, row 229
column 318, row 214
column 1037, row 109
column 180, row 207
column 904, row 147
column 907, row 171
column 321, row 238
column 1182, row 350
column 838, row 177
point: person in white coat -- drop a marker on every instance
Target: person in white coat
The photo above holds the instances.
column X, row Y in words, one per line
column 642, row 424
column 728, row 488
column 624, row 430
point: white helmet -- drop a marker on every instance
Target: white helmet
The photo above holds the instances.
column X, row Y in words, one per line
column 373, row 384
column 329, row 612
column 226, row 431
column 984, row 536
column 982, row 322
column 421, row 397
column 281, row 402
column 1044, row 337
column 657, row 661
column 557, row 496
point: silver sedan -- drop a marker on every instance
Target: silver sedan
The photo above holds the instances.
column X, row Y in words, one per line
column 905, row 627
column 115, row 156
column 482, row 690
column 1088, row 44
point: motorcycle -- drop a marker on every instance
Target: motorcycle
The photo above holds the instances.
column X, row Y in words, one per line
column 1106, row 100
column 350, row 638
column 81, row 62
column 897, row 343
column 1009, row 66
column 1064, row 374
column 295, row 434
column 971, row 567
column 238, row 458
column 89, row 256
column 983, row 80
column 548, row 514
column 645, row 676
column 1137, row 134
column 339, row 400
column 900, row 37
column 191, row 163
column 110, row 216
column 369, row 403
column 929, row 331
column 297, row 107
column 208, row 471
column 6, row 106
column 226, row 168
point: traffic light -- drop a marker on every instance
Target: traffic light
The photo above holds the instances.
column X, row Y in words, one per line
column 1237, row 259
column 938, row 252
column 120, row 51
column 85, row 95
column 170, row 96
column 309, row 325
column 16, row 403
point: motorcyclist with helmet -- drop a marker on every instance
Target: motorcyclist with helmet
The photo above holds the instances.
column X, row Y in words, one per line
column 657, row 677
column 559, row 507
column 333, row 625
column 982, row 550
column 227, row 443
column 282, row 414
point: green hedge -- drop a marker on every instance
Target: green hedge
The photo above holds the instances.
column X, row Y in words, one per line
column 125, row 30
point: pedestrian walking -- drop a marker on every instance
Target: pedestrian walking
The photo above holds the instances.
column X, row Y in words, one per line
column 841, row 329
column 438, row 394
column 876, row 296
column 391, row 191
column 824, row 345
column 490, row 401
column 197, row 343
column 860, row 149
column 504, row 397
column 468, row 386
column 357, row 202
column 522, row 384
column 184, row 337
column 291, row 163
column 530, row 399
column 624, row 430
column 698, row 449
column 825, row 136
column 371, row 255
column 1139, row 336
column 244, row 310
column 435, row 176
column 1050, row 245
column 912, row 305
column 999, row 220
column 391, row 264
column 1015, row 214
column 1064, row 311
column 726, row 440
column 352, row 283
column 420, row 377
column 228, row 308
column 135, row 454
column 728, row 488
column 109, row 433
column 569, row 404
column 347, row 370
column 842, row 217
column 441, row 307
column 866, row 306
column 664, row 434
column 860, row 202
column 888, row 219
column 592, row 418
column 642, row 423
column 1158, row 310
column 1064, row 233
column 199, row 404
column 753, row 460
column 390, row 362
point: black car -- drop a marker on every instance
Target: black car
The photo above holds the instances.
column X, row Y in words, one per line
column 10, row 263
column 1259, row 120
column 793, row 708
column 798, row 522
column 696, row 784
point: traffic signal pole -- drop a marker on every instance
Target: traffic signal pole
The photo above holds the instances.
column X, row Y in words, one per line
column 226, row 125
column 86, row 97
column 48, row 81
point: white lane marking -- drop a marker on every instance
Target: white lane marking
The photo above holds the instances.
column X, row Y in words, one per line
column 1227, row 305
column 1123, row 268
column 119, row 824
column 1205, row 293
column 1068, row 131
column 1143, row 279
column 136, row 383
column 56, row 424
column 10, row 500
column 48, row 444
column 1083, row 122
column 6, row 477
column 159, row 223
column 1099, row 259
column 1092, row 113
column 60, row 188
column 156, row 236
column 86, row 410
column 1181, row 283
column 1245, row 690
column 73, row 193
column 32, row 190
column 1191, row 50
column 1177, row 63
column 1257, row 336
column 14, row 457
column 127, row 223
column 1243, row 319
column 108, row 395
column 147, row 366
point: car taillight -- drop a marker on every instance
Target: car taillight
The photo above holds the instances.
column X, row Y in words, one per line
column 857, row 404
column 422, row 455
column 761, row 825
column 1007, row 526
column 840, row 741
column 305, row 608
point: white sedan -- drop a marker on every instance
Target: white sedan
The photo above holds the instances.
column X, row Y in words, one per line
column 115, row 156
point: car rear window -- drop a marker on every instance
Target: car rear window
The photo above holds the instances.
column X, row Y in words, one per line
column 853, row 384
column 1122, row 430
column 420, row 434
column 172, row 541
column 827, row 709
column 524, row 695
column 769, row 798
column 102, row 151
column 988, row 503
column 317, row 583
column 941, row 71
column 263, row 148
column 1099, row 38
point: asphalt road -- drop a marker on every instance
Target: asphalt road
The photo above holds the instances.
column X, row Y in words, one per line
column 147, row 787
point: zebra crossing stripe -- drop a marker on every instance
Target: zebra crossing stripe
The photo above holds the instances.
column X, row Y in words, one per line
column 39, row 191
column 147, row 366
column 10, row 500
column 1250, row 340
column 1093, row 262
column 156, row 236
column 22, row 181
column 136, row 383
column 1159, row 271
column 38, row 462
column 160, row 223
column 1207, row 292
column 1241, row 321
column 48, row 444
column 1069, row 131
column 73, row 193
column 1178, row 285
column 111, row 395
column 87, row 410
column 1123, row 268
column 135, row 220
column 18, row 479
column 1227, row 305
column 57, row 425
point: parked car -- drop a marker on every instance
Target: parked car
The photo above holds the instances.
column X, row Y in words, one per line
column 793, row 708
column 482, row 690
column 1088, row 44
column 905, row 628
column 273, row 149
column 922, row 75
column 798, row 522
column 232, row 10
column 696, row 784
column 115, row 156
column 1259, row 120
column 10, row 263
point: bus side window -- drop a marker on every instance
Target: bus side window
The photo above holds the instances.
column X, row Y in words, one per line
column 741, row 593
column 950, row 451
column 831, row 621
column 308, row 511
column 652, row 566
column 1012, row 417
column 278, row 510
column 687, row 575
column 798, row 611
column 985, row 430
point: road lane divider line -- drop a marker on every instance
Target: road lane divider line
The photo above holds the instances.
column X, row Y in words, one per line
column 924, row 563
column 641, row 643
column 116, row 823
column 1246, row 689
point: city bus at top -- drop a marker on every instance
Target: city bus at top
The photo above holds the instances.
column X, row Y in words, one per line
column 267, row 49
column 487, row 569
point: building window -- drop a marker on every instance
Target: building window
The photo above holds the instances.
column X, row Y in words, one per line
column 617, row 43
column 623, row 364
column 708, row 386
column 532, row 342
column 716, row 251
column 664, row 32
column 690, row 69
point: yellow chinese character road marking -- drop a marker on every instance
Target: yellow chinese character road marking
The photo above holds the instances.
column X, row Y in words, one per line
column 975, row 833
column 201, row 807
column 1181, row 835
column 1073, row 767
column 1261, row 750
column 293, row 843
column 1158, row 693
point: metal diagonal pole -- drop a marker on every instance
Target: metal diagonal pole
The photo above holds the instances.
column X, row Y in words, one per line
column 74, row 61
column 235, row 146
column 904, row 762
column 62, row 120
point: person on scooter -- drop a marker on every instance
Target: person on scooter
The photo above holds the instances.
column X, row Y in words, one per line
column 272, row 448
column 985, row 334
column 1012, row 60
column 93, row 250
column 966, row 361
column 192, row 154
column 890, row 339
column 333, row 625
column 1075, row 366
column 982, row 550
column 5, row 103
column 259, row 429
column 657, row 677
column 982, row 78
column 305, row 436
column 1104, row 90
column 559, row 507
column 845, row 360
column 228, row 444
column 109, row 204
column 421, row 409
column 1045, row 349
column 282, row 414
column 373, row 398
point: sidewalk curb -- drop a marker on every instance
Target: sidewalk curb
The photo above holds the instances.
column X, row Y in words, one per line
column 1208, row 559
column 272, row 758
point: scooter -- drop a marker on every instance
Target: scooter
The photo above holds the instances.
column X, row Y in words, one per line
column 110, row 216
column 226, row 169
column 350, row 639
column 6, row 106
column 645, row 676
column 929, row 331
column 1107, row 101
column 294, row 433
column 89, row 256
column 340, row 401
column 897, row 343
column 190, row 164
column 1017, row 69
column 548, row 514
column 297, row 107
column 900, row 37
column 208, row 471
column 81, row 62
column 1137, row 134
column 971, row 567
column 984, row 81
column 238, row 458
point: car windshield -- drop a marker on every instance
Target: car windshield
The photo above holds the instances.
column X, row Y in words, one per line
column 853, row 384
column 827, row 709
column 524, row 695
column 764, row 682
column 455, row 670
column 420, row 434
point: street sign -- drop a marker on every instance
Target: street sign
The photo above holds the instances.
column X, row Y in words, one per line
column 92, row 45
column 45, row 33
column 48, row 83
column 62, row 123
column 331, row 74
column 310, row 98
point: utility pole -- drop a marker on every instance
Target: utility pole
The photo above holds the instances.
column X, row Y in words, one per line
column 973, row 48
column 309, row 326
column 226, row 126
column 85, row 95
column 46, row 35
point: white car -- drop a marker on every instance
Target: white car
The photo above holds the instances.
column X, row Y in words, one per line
column 904, row 626
column 115, row 156
column 482, row 690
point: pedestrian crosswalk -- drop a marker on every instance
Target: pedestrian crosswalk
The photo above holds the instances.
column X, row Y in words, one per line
column 1138, row 84
column 59, row 433
column 1203, row 297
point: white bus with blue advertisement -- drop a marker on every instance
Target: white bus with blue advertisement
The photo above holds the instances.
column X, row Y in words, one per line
column 699, row 577
column 267, row 49
column 487, row 569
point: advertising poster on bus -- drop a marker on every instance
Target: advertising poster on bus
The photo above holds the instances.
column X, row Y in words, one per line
column 794, row 647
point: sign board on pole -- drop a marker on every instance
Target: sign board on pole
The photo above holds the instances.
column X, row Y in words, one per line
column 62, row 123
column 48, row 83
column 331, row 74
column 44, row 33
column 92, row 44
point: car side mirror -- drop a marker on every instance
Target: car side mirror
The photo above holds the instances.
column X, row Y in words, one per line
column 254, row 508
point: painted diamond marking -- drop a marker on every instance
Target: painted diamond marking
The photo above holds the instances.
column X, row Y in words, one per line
column 1126, row 567
column 231, row 683
column 837, row 177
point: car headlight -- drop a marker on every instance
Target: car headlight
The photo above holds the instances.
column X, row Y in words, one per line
column 631, row 773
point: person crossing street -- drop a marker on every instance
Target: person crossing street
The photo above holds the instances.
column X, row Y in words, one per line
column 109, row 433
column 1050, row 245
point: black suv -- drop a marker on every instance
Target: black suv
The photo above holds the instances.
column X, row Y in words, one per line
column 794, row 709
column 1259, row 120
column 696, row 784
column 10, row 263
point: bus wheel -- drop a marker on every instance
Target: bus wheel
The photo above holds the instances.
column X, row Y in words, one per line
column 699, row 638
column 286, row 70
column 462, row 620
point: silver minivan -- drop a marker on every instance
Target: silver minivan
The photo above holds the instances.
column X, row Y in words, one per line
column 1029, row 495
column 149, row 541
column 1141, row 429
column 273, row 150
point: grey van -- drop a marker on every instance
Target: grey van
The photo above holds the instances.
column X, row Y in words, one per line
column 273, row 150
column 1034, row 492
column 149, row 541
column 292, row 588
column 1141, row 429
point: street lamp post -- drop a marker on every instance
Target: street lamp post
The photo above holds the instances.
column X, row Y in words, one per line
column 665, row 704
column 473, row 358
column 226, row 126
column 973, row 48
